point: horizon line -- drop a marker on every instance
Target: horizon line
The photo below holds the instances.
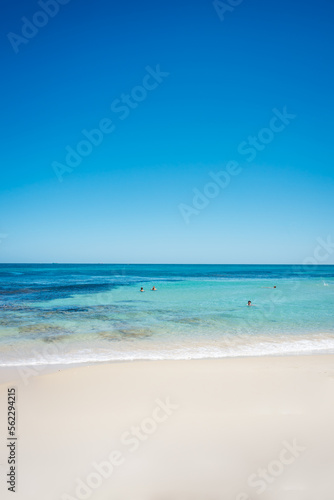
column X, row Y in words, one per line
column 155, row 264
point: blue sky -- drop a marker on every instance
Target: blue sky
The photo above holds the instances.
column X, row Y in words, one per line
column 221, row 81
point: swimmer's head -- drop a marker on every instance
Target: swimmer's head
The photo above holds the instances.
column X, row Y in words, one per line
column 249, row 303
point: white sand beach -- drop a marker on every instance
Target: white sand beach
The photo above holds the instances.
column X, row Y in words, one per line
column 228, row 429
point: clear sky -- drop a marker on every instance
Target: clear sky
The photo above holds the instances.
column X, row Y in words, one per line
column 180, row 89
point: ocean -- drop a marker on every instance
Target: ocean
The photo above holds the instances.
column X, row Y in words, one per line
column 59, row 313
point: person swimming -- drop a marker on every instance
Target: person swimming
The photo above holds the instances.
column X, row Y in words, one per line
column 154, row 289
column 249, row 303
column 142, row 289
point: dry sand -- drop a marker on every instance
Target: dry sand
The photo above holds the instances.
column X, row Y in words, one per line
column 229, row 429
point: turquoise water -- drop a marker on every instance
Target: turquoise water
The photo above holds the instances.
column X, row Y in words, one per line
column 76, row 313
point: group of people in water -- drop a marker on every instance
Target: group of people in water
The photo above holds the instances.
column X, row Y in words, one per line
column 249, row 303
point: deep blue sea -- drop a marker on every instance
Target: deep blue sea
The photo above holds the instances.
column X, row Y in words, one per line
column 77, row 313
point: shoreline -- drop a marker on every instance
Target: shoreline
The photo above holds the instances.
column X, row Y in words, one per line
column 13, row 372
column 257, row 346
column 45, row 368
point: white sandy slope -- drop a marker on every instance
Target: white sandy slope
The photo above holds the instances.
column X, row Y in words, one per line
column 230, row 429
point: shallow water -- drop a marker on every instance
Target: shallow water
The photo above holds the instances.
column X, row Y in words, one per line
column 72, row 313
